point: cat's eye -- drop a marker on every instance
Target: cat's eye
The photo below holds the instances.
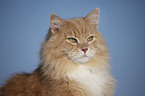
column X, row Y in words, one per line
column 90, row 38
column 72, row 40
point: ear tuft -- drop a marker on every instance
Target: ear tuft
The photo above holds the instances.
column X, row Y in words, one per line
column 93, row 16
column 55, row 22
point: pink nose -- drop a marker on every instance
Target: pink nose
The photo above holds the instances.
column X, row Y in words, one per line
column 84, row 49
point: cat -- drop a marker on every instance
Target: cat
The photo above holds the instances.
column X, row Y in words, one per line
column 74, row 61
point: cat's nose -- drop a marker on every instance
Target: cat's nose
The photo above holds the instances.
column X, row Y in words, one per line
column 84, row 49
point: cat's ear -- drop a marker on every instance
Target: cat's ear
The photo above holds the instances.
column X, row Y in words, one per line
column 93, row 16
column 55, row 23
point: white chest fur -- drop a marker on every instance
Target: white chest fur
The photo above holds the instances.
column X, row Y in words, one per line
column 94, row 80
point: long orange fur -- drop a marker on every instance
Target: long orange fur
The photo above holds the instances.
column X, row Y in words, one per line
column 53, row 76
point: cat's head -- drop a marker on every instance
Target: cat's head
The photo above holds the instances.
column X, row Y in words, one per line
column 78, row 38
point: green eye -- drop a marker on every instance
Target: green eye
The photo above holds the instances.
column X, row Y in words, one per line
column 72, row 40
column 90, row 39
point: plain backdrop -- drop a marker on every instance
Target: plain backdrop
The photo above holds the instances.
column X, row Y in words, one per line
column 24, row 24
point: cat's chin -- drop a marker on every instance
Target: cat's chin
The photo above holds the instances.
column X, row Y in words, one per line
column 82, row 60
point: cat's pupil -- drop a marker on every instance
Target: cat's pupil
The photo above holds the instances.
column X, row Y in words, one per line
column 72, row 40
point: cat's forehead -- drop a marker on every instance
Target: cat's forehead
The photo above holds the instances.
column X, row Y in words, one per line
column 78, row 27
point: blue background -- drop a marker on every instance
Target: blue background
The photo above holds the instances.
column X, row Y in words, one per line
column 24, row 24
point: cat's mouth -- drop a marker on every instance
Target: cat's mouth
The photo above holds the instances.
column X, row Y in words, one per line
column 84, row 56
column 80, row 58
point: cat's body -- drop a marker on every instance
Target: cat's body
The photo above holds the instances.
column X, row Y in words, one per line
column 74, row 62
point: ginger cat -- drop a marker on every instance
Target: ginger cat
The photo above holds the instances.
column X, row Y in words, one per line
column 74, row 62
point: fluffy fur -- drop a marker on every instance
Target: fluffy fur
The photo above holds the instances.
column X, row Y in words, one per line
column 65, row 68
